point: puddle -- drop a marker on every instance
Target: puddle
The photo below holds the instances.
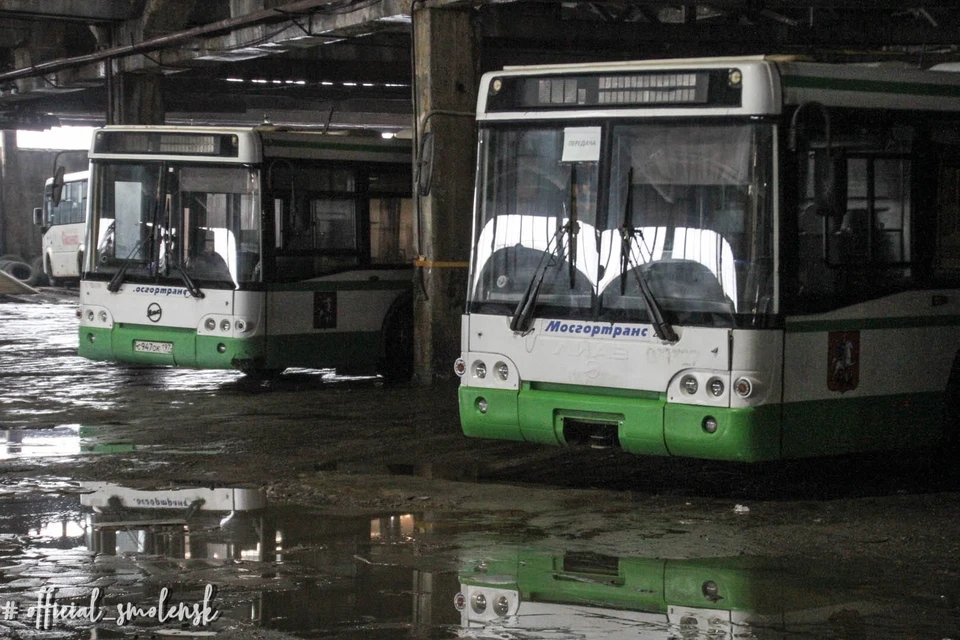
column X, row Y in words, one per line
column 309, row 574
column 72, row 440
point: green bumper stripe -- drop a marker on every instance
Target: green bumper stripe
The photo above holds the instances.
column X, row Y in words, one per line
column 872, row 86
column 343, row 285
column 864, row 324
column 644, row 425
column 323, row 350
column 189, row 349
column 873, row 423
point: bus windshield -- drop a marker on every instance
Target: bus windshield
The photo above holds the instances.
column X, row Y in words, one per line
column 157, row 222
column 672, row 219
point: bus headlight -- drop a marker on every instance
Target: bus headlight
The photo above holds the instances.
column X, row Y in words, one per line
column 743, row 387
column 482, row 405
column 479, row 369
column 210, row 324
column 90, row 315
column 689, row 385
column 479, row 603
column 103, row 317
column 715, row 385
column 225, row 325
column 501, row 606
column 503, row 371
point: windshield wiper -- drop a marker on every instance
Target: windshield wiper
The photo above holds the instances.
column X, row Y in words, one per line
column 114, row 285
column 627, row 234
column 520, row 321
column 574, row 225
column 188, row 281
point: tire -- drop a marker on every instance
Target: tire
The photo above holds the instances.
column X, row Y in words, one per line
column 396, row 341
column 19, row 270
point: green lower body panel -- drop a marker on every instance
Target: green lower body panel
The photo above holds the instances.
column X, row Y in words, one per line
column 745, row 435
column 645, row 425
column 355, row 351
column 864, row 424
column 186, row 349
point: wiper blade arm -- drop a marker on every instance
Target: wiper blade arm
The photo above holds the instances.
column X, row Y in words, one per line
column 627, row 234
column 520, row 321
column 192, row 286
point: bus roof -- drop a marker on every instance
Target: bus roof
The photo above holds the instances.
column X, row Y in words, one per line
column 250, row 144
column 768, row 84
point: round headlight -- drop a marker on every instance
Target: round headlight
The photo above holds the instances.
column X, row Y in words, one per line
column 460, row 367
column 103, row 316
column 743, row 387
column 479, row 603
column 482, row 405
column 503, row 371
column 225, row 325
column 689, row 385
column 501, row 606
column 221, row 348
column 479, row 369
column 90, row 315
column 716, row 387
column 709, row 424
column 210, row 324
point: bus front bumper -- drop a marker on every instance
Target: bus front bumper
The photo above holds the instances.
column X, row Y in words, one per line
column 165, row 346
column 640, row 425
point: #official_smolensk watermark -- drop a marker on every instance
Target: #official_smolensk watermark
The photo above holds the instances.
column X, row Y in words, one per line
column 47, row 612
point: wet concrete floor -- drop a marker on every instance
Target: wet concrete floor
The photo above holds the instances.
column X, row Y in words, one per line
column 318, row 506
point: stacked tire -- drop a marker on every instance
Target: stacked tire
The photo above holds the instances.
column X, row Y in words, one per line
column 29, row 274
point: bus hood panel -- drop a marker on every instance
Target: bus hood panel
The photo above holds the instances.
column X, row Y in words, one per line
column 600, row 354
column 159, row 305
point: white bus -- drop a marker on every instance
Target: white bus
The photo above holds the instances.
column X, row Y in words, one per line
column 730, row 258
column 62, row 221
column 255, row 249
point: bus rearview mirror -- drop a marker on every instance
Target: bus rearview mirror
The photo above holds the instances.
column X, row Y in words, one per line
column 57, row 187
column 831, row 184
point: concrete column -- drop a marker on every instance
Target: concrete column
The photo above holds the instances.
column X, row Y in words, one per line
column 445, row 49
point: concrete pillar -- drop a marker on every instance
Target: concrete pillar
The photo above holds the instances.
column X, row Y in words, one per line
column 134, row 98
column 445, row 49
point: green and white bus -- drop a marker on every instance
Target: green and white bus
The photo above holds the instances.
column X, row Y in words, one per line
column 255, row 249
column 533, row 594
column 729, row 258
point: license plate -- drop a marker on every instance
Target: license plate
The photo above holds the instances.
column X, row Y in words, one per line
column 145, row 346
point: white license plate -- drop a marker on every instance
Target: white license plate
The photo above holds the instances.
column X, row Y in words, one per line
column 145, row 346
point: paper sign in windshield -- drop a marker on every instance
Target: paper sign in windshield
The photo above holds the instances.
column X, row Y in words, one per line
column 581, row 144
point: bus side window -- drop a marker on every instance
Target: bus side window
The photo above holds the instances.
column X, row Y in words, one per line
column 948, row 219
column 391, row 230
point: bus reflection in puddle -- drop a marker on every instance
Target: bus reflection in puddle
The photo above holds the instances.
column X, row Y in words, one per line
column 529, row 594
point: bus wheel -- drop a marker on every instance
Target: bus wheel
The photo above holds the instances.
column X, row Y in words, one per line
column 396, row 351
